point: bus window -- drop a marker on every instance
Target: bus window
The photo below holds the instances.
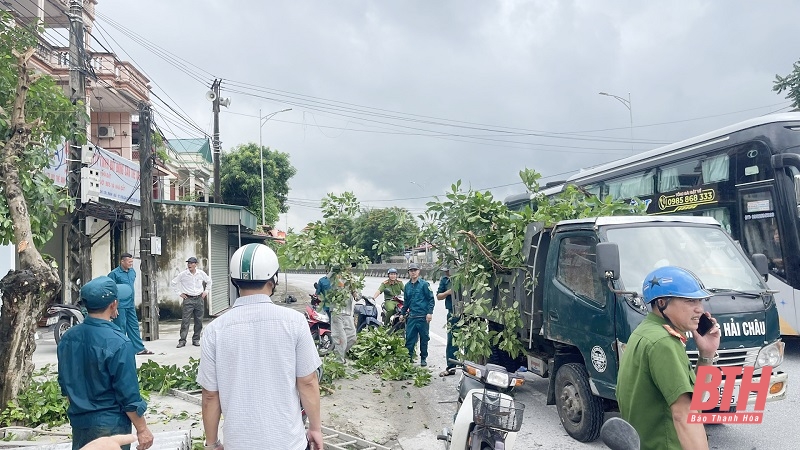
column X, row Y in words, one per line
column 715, row 169
column 683, row 175
column 722, row 215
column 752, row 163
column 639, row 185
column 760, row 228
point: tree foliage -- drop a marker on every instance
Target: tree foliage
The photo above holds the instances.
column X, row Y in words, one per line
column 323, row 244
column 483, row 239
column 791, row 84
column 54, row 120
column 240, row 179
column 35, row 117
column 384, row 231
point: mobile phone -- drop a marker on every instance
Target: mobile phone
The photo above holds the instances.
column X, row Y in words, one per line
column 705, row 325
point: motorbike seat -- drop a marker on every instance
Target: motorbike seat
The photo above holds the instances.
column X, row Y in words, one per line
column 467, row 384
column 66, row 306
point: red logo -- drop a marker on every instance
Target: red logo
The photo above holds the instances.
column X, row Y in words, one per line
column 709, row 381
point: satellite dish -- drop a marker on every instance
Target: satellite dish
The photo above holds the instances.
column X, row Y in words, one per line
column 211, row 96
column 225, row 102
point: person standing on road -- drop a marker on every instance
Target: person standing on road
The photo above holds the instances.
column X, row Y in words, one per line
column 418, row 303
column 97, row 371
column 127, row 321
column 390, row 289
column 656, row 379
column 445, row 292
column 258, row 365
column 339, row 300
column 192, row 285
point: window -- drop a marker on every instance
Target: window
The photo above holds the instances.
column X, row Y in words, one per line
column 577, row 268
column 640, row 185
column 715, row 169
column 683, row 175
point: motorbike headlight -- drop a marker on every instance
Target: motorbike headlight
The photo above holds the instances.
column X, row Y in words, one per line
column 771, row 355
column 497, row 378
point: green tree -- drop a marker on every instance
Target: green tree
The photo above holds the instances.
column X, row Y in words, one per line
column 240, row 180
column 791, row 84
column 384, row 231
column 483, row 239
column 35, row 118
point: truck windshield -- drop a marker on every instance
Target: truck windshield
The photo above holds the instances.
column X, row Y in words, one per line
column 708, row 252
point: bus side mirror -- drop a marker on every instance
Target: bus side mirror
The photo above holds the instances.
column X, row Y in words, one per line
column 761, row 263
column 607, row 261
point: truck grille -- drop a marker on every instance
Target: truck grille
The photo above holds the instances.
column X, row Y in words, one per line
column 731, row 357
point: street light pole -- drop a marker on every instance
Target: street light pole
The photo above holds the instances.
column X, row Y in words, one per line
column 628, row 105
column 261, row 122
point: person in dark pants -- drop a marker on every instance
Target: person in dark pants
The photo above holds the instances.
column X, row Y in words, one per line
column 97, row 372
column 192, row 285
column 127, row 321
column 445, row 292
column 419, row 305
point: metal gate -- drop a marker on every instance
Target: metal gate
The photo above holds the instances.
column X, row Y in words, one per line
column 219, row 271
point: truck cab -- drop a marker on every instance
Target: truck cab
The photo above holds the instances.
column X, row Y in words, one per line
column 586, row 301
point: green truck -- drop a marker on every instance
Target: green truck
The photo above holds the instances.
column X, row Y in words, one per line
column 586, row 301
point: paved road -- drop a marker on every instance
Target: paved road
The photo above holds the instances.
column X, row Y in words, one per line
column 541, row 427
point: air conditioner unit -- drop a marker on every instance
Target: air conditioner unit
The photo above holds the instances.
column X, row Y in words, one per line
column 105, row 132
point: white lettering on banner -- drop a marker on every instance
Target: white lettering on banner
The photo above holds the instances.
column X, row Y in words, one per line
column 119, row 177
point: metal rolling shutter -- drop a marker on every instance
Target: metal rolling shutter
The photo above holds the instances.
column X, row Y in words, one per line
column 219, row 260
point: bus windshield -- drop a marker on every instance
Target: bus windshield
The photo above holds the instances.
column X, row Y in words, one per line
column 708, row 252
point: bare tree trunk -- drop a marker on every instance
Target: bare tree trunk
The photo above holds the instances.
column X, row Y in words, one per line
column 25, row 291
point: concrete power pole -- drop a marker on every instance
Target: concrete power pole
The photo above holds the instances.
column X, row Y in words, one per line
column 217, row 144
column 148, row 266
column 79, row 259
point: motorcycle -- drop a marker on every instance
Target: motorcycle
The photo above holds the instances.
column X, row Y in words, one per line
column 366, row 314
column 64, row 317
column 618, row 434
column 487, row 416
column 392, row 311
column 320, row 325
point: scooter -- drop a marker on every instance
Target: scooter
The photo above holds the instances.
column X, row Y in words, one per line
column 618, row 434
column 320, row 325
column 366, row 314
column 394, row 322
column 64, row 317
column 487, row 416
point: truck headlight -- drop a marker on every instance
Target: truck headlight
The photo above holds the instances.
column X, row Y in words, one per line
column 497, row 378
column 771, row 355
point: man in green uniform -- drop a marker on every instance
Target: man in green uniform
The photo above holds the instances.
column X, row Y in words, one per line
column 97, row 371
column 445, row 292
column 656, row 379
column 390, row 289
column 418, row 303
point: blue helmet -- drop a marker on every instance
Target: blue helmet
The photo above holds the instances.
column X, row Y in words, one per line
column 671, row 281
column 392, row 270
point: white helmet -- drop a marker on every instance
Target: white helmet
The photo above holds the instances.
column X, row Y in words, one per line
column 254, row 262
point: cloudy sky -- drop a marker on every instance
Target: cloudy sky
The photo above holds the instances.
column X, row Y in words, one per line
column 396, row 100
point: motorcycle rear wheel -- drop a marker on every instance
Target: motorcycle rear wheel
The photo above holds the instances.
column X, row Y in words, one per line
column 60, row 328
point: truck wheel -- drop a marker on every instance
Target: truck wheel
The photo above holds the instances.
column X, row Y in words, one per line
column 581, row 413
column 61, row 327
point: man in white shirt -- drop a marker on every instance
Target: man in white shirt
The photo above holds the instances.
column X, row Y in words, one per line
column 192, row 285
column 258, row 366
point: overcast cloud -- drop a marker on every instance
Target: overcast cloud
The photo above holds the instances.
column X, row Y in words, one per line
column 392, row 75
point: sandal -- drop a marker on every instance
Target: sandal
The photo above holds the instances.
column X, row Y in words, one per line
column 145, row 352
column 447, row 372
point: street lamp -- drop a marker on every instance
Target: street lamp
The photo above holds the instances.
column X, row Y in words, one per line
column 418, row 185
column 628, row 105
column 261, row 122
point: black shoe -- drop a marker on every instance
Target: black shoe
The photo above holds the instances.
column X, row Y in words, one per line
column 196, row 344
column 181, row 344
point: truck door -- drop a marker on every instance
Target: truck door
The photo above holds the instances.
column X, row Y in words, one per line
column 578, row 311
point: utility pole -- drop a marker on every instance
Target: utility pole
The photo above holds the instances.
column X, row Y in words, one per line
column 148, row 266
column 217, row 145
column 79, row 259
